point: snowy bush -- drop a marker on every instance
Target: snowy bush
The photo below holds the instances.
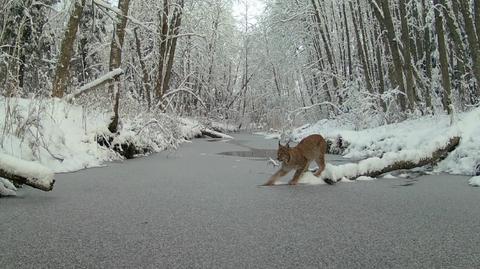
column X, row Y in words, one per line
column 62, row 136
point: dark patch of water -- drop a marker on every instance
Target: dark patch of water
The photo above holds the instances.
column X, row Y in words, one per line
column 215, row 139
column 261, row 154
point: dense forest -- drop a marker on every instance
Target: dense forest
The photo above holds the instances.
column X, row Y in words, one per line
column 369, row 61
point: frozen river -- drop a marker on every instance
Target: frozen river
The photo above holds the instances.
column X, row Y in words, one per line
column 196, row 208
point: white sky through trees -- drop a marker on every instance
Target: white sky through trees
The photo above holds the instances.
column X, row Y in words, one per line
column 255, row 8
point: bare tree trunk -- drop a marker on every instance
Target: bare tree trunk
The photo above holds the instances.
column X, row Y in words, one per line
column 386, row 22
column 381, row 79
column 145, row 77
column 428, row 57
column 442, row 50
column 246, row 63
column 326, row 45
column 472, row 40
column 319, row 59
column 360, row 49
column 407, row 57
column 458, row 46
column 66, row 51
column 173, row 46
column 163, row 49
column 417, row 48
column 211, row 48
column 365, row 40
column 347, row 34
column 274, row 70
column 476, row 8
column 168, row 45
column 116, row 59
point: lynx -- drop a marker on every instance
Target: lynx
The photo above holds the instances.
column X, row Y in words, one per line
column 311, row 148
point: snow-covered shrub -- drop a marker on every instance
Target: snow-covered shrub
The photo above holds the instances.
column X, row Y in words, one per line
column 56, row 134
column 63, row 137
column 146, row 133
column 361, row 114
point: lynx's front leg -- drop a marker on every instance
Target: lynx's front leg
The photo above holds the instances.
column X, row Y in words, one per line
column 298, row 173
column 280, row 173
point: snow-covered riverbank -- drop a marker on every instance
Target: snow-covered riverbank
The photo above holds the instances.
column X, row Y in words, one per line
column 409, row 140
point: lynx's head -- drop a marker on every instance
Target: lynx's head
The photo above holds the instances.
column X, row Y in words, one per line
column 283, row 152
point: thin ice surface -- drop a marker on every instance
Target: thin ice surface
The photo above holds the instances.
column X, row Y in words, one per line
column 208, row 211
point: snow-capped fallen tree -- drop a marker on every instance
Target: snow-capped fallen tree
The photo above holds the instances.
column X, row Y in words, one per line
column 24, row 172
column 375, row 166
column 214, row 134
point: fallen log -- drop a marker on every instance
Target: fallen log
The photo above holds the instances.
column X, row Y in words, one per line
column 373, row 167
column 24, row 172
column 214, row 134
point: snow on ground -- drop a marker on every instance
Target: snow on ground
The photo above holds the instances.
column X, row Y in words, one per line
column 466, row 157
column 189, row 127
column 309, row 178
column 474, row 181
column 7, row 188
column 62, row 137
column 364, row 178
column 412, row 138
column 389, row 176
column 59, row 136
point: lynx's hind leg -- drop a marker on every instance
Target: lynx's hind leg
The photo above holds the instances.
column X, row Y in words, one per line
column 321, row 165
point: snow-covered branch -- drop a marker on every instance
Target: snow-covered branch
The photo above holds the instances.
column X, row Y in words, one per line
column 29, row 173
column 406, row 159
column 116, row 10
column 94, row 84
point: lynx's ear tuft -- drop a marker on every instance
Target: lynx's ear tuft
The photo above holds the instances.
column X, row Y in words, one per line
column 288, row 143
